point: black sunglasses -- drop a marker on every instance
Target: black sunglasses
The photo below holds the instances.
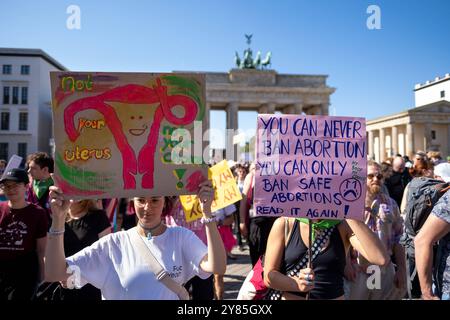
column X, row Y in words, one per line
column 371, row 176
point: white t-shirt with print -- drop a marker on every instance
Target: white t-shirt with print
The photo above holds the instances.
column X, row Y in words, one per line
column 114, row 266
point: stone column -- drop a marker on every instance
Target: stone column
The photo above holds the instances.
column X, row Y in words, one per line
column 394, row 140
column 427, row 136
column 205, row 134
column 271, row 107
column 298, row 108
column 232, row 123
column 448, row 140
column 382, row 145
column 267, row 108
column 314, row 110
column 324, row 108
column 289, row 110
column 263, row 109
column 206, row 120
column 370, row 138
column 318, row 110
column 409, row 141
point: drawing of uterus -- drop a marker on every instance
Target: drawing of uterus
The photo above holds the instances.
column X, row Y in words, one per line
column 135, row 137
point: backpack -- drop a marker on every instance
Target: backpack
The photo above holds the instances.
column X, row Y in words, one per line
column 423, row 193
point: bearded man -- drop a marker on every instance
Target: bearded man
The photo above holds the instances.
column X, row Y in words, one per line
column 382, row 216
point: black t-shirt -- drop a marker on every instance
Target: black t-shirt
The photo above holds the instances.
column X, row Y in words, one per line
column 19, row 230
column 19, row 267
column 396, row 185
column 81, row 233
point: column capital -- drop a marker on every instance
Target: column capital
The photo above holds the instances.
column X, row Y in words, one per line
column 289, row 110
column 325, row 108
column 263, row 109
column 298, row 107
column 267, row 108
column 318, row 110
column 233, row 105
column 271, row 107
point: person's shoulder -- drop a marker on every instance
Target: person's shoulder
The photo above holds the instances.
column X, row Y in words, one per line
column 179, row 233
column 36, row 209
column 114, row 239
column 4, row 207
column 443, row 204
column 96, row 213
column 387, row 199
column 178, row 230
column 446, row 196
column 117, row 236
column 280, row 222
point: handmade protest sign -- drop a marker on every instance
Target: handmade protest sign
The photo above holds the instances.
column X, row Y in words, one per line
column 226, row 192
column 128, row 134
column 310, row 166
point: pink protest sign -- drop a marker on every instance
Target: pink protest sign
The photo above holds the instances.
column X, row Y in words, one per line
column 310, row 166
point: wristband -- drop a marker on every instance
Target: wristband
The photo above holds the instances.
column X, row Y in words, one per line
column 208, row 220
column 52, row 232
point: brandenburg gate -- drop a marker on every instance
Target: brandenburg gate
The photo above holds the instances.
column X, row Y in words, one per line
column 252, row 87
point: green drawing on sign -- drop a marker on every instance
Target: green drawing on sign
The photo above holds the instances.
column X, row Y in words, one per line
column 179, row 173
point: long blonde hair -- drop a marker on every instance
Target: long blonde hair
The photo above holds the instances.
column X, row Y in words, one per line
column 84, row 205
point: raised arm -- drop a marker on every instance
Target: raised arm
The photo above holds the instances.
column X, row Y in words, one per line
column 433, row 230
column 367, row 243
column 216, row 259
column 243, row 208
column 55, row 259
column 273, row 278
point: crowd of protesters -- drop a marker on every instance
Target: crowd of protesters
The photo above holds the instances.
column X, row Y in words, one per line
column 44, row 238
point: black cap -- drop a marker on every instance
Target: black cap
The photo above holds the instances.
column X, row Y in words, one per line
column 17, row 175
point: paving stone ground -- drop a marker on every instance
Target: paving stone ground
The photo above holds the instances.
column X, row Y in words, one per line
column 237, row 270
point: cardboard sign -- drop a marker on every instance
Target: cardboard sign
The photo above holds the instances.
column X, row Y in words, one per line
column 226, row 192
column 310, row 166
column 128, row 134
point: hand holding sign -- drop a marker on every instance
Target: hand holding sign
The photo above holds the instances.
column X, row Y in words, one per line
column 206, row 197
column 226, row 192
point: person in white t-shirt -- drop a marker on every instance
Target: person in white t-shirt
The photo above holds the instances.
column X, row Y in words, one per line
column 113, row 264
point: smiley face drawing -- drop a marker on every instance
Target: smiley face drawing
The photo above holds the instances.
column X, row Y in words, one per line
column 138, row 131
column 350, row 189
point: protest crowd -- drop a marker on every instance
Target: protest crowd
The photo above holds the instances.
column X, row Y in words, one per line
column 55, row 249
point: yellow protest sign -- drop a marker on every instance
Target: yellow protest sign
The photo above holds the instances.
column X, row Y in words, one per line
column 226, row 192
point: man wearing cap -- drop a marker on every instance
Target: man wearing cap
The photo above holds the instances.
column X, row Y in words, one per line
column 436, row 228
column 23, row 236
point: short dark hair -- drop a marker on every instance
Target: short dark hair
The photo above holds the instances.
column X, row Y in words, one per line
column 42, row 159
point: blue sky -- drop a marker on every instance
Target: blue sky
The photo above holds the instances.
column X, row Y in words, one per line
column 373, row 71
